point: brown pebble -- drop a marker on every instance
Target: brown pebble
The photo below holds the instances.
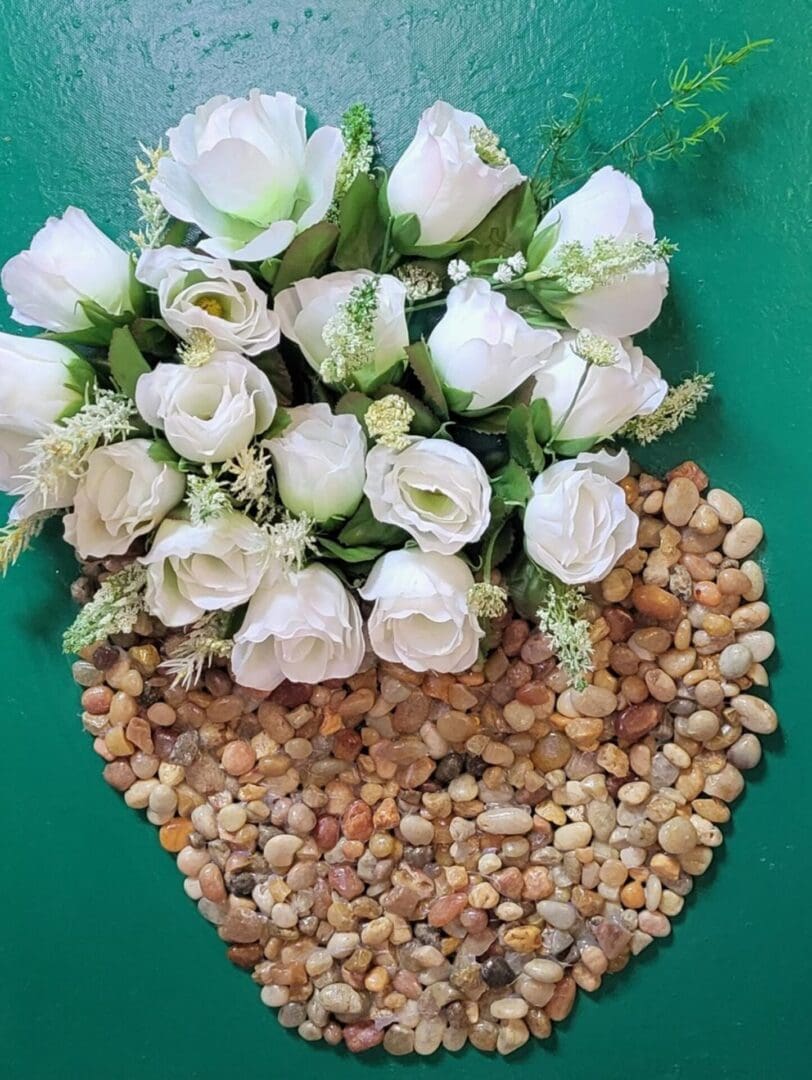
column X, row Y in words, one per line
column 655, row 602
column 174, row 835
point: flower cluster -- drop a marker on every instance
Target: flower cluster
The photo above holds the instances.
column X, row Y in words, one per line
column 334, row 386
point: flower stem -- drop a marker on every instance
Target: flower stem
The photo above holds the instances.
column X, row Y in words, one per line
column 387, row 236
column 560, row 425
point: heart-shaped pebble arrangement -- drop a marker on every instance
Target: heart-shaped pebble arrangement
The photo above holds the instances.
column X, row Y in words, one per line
column 419, row 860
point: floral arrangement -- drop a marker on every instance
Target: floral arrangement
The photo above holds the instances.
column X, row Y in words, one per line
column 330, row 408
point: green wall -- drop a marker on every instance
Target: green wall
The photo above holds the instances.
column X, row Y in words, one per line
column 107, row 972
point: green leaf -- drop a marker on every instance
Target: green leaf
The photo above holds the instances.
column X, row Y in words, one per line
column 363, row 529
column 491, row 450
column 91, row 336
column 160, row 450
column 281, row 420
column 490, row 421
column 276, row 369
column 101, row 318
column 405, row 232
column 573, row 447
column 175, row 234
column 362, row 231
column 507, row 229
column 368, row 379
column 458, row 400
column 542, row 244
column 527, row 585
column 151, row 336
column 512, row 485
column 421, row 365
column 542, row 420
column 127, row 363
column 522, row 440
column 425, row 422
column 355, row 404
column 307, row 255
column 359, row 553
column 80, row 378
column 269, row 269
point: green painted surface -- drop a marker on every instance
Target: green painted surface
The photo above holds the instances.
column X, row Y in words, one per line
column 107, row 972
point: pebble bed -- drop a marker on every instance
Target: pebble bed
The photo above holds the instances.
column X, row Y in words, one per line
column 419, row 861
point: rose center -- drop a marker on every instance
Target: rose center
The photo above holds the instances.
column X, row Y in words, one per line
column 211, row 305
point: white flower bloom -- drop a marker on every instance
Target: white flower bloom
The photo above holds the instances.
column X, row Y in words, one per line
column 610, row 396
column 421, row 616
column 208, row 413
column 196, row 292
column 610, row 204
column 244, row 170
column 40, row 382
column 192, row 569
column 306, row 307
column 319, row 462
column 483, row 347
column 123, row 494
column 577, row 523
column 69, row 260
column 434, row 489
column 442, row 178
column 303, row 626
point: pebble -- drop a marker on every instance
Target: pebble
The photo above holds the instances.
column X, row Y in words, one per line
column 726, row 506
column 761, row 644
column 755, row 714
column 680, row 501
column 505, row 821
column 735, row 661
column 743, row 538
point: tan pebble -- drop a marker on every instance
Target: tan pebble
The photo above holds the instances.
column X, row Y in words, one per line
column 755, row 576
column 656, row 602
column 654, row 923
column 617, row 585
column 676, row 837
column 161, row 714
column 755, row 714
column 743, row 538
column 726, row 506
column 704, row 519
column 726, row 784
column 573, row 836
column 750, row 616
column 680, row 501
column 594, row 702
column 660, row 684
column 761, row 644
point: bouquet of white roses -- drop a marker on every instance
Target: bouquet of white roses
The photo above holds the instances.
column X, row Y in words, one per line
column 330, row 408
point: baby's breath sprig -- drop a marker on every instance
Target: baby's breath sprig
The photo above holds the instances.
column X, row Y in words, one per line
column 348, row 334
column 16, row 537
column 486, row 600
column 359, row 151
column 154, row 218
column 206, row 642
column 559, row 618
column 608, row 259
column 61, row 453
column 114, row 609
column 421, row 283
column 595, row 349
column 198, row 349
column 247, row 479
column 206, row 499
column 458, row 271
column 510, row 269
column 289, row 540
column 680, row 404
column 488, row 148
column 388, row 420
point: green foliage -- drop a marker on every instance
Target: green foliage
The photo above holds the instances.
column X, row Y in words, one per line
column 420, row 362
column 281, row 421
column 512, row 485
column 307, row 256
column 127, row 363
column 363, row 530
column 527, row 584
column 362, row 229
column 524, row 446
column 508, row 228
column 360, row 553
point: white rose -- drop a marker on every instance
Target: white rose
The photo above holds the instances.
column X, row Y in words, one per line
column 40, row 382
column 610, row 204
column 442, row 179
column 208, row 413
column 192, row 569
column 244, row 170
column 196, row 292
column 483, row 347
column 303, row 626
column 577, row 523
column 610, row 396
column 123, row 494
column 421, row 616
column 69, row 260
column 319, row 462
column 306, row 307
column 434, row 489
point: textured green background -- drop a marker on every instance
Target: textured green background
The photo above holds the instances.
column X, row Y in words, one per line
column 107, row 972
